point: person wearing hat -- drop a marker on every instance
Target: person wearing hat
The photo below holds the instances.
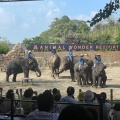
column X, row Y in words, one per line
column 30, row 57
column 70, row 54
column 80, row 61
column 89, row 95
column 81, row 97
column 53, row 53
column 97, row 59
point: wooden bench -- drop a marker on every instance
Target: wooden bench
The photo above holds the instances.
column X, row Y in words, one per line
column 27, row 80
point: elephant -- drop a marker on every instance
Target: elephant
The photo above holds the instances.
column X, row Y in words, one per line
column 19, row 65
column 99, row 75
column 54, row 64
column 82, row 74
column 68, row 65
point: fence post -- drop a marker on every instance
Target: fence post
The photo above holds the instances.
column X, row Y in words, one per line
column 12, row 107
column 101, row 110
column 111, row 97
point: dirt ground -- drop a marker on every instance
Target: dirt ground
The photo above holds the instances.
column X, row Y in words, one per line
column 46, row 82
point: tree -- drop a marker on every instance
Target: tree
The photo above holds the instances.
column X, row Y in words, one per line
column 4, row 45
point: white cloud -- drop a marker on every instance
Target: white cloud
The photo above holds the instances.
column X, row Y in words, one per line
column 45, row 6
column 53, row 12
column 86, row 17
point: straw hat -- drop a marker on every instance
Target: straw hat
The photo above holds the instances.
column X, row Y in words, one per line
column 29, row 51
column 81, row 96
column 81, row 55
column 98, row 54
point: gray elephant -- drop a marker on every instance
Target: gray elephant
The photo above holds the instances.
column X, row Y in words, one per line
column 68, row 65
column 19, row 65
column 82, row 74
column 99, row 75
column 54, row 64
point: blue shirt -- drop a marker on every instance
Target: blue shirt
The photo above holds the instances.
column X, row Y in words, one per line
column 53, row 51
column 70, row 53
column 81, row 60
column 97, row 59
column 29, row 56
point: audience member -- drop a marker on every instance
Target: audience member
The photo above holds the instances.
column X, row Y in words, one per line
column 69, row 99
column 105, row 95
column 27, row 106
column 93, row 112
column 95, row 99
column 81, row 97
column 75, row 112
column 106, row 108
column 47, row 92
column 45, row 108
column 89, row 96
column 34, row 104
column 7, row 104
column 56, row 105
column 116, row 111
column 55, row 91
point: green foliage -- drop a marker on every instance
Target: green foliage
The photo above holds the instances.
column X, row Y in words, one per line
column 64, row 30
column 110, row 8
column 4, row 46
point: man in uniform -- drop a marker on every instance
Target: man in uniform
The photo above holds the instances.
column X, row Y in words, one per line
column 97, row 59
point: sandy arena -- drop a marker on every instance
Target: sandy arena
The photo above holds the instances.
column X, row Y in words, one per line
column 46, row 82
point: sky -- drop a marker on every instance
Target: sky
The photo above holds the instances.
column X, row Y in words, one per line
column 27, row 19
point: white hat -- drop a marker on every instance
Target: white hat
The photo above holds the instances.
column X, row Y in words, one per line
column 89, row 95
column 29, row 51
column 81, row 55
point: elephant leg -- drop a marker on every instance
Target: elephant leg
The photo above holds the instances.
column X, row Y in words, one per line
column 7, row 78
column 104, row 81
column 72, row 75
column 14, row 77
column 82, row 81
column 91, row 79
column 57, row 70
column 76, row 75
column 94, row 81
column 86, row 78
column 78, row 81
column 52, row 73
column 100, row 82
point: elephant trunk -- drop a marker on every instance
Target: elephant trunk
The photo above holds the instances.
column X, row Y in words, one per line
column 38, row 72
column 61, row 70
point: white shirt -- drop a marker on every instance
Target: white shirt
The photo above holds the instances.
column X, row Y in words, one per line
column 41, row 115
column 67, row 99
